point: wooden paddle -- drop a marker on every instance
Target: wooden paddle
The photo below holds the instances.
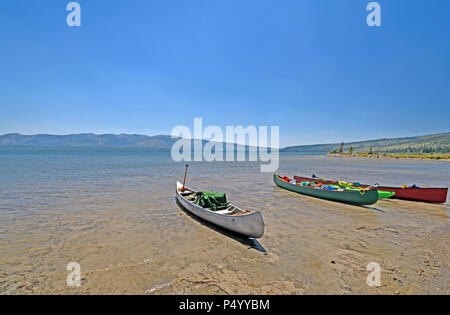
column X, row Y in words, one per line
column 184, row 181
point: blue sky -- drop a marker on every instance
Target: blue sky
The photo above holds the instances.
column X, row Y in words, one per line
column 312, row 67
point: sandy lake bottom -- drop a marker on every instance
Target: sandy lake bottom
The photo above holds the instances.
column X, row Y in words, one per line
column 115, row 214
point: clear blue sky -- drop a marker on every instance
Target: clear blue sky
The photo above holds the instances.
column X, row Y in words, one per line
column 312, row 67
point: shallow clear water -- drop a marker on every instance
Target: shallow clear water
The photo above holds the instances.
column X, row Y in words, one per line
column 114, row 213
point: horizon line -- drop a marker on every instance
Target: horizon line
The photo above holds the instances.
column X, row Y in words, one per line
column 163, row 135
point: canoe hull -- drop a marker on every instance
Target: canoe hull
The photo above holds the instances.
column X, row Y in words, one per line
column 369, row 197
column 250, row 225
column 433, row 195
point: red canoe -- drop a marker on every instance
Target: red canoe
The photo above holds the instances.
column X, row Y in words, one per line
column 436, row 195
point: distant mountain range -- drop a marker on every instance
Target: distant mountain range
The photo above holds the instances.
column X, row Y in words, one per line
column 436, row 143
column 89, row 140
column 439, row 143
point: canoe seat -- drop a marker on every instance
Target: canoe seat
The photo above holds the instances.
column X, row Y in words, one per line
column 222, row 211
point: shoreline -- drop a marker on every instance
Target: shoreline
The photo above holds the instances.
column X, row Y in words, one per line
column 385, row 156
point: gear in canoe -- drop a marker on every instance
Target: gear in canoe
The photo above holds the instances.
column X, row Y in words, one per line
column 359, row 196
column 212, row 200
column 414, row 192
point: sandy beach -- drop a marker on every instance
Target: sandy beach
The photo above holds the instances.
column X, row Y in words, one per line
column 125, row 229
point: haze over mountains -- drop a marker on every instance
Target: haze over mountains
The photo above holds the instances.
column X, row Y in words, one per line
column 89, row 140
column 429, row 143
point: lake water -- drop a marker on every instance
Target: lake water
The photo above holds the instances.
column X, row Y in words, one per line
column 114, row 212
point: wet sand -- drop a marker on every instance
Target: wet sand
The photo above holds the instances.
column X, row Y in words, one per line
column 131, row 237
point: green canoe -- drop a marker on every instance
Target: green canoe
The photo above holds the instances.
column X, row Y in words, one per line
column 385, row 194
column 381, row 194
column 365, row 197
